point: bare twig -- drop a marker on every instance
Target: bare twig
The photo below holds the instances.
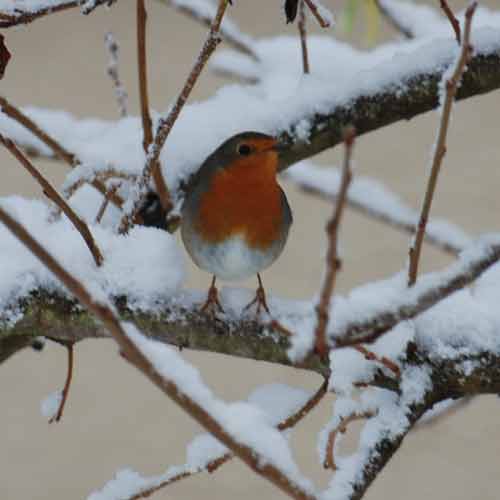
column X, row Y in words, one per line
column 58, row 150
column 303, row 36
column 132, row 353
column 105, row 203
column 69, row 375
column 147, row 125
column 371, row 356
column 112, row 69
column 316, row 11
column 52, row 194
column 24, row 120
column 332, row 230
column 26, row 16
column 450, row 85
column 329, row 462
column 214, row 464
column 165, row 125
column 453, row 20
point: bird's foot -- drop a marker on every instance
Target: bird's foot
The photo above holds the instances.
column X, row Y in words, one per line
column 259, row 300
column 212, row 305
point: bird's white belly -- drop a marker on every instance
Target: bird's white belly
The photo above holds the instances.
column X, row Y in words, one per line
column 232, row 260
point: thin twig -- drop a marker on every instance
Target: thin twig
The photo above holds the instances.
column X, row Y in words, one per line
column 451, row 85
column 453, row 20
column 303, row 36
column 214, row 464
column 332, row 230
column 136, row 357
column 329, row 462
column 52, row 194
column 24, row 120
column 316, row 12
column 147, row 124
column 57, row 149
column 105, row 203
column 371, row 356
column 25, row 16
column 112, row 69
column 165, row 125
column 69, row 375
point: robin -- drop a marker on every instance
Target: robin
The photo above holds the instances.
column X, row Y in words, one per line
column 235, row 217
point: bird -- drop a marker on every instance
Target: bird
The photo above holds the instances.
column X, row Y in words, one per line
column 235, row 218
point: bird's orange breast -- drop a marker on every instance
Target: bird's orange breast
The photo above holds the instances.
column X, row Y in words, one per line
column 244, row 200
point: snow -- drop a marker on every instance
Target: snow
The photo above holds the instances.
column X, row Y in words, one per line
column 50, row 405
column 146, row 265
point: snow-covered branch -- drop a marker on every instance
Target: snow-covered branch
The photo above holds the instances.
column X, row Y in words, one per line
column 11, row 14
column 373, row 199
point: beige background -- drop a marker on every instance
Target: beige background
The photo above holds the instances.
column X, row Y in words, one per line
column 114, row 417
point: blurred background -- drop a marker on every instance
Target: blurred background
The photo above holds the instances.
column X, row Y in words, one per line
column 114, row 417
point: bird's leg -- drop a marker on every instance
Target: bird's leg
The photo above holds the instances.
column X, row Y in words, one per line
column 212, row 299
column 260, row 298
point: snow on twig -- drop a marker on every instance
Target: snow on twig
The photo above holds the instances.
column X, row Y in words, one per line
column 12, row 15
column 284, row 406
column 112, row 70
column 405, row 303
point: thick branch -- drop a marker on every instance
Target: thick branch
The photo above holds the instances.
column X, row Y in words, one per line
column 417, row 95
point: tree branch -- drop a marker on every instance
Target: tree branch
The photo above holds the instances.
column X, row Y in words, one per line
column 147, row 124
column 14, row 17
column 450, row 85
column 417, row 95
column 58, row 150
column 53, row 195
column 332, row 262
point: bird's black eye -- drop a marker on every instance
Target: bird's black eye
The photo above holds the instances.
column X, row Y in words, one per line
column 244, row 149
